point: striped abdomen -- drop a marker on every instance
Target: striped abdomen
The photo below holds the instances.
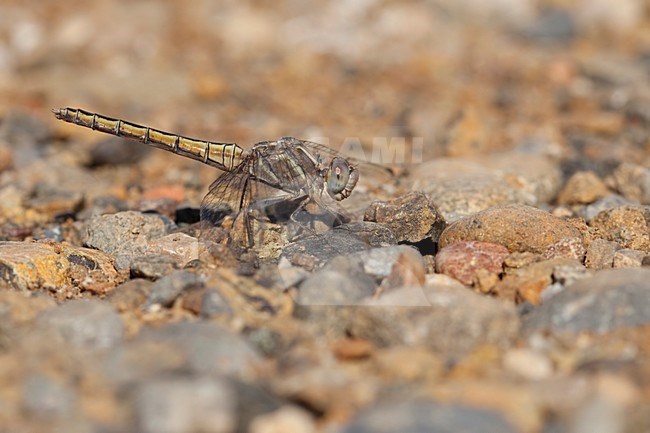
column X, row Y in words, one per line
column 224, row 156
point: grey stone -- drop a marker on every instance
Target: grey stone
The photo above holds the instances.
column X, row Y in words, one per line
column 152, row 266
column 336, row 286
column 448, row 319
column 424, row 416
column 608, row 300
column 53, row 233
column 267, row 341
column 315, row 251
column 44, row 397
column 130, row 295
column 553, row 25
column 125, row 233
column 215, row 304
column 165, row 291
column 208, row 348
column 379, row 262
column 85, row 323
column 442, row 315
column 185, row 405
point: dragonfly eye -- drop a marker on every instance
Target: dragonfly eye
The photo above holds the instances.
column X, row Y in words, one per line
column 341, row 179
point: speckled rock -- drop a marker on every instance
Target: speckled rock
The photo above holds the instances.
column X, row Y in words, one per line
column 625, row 225
column 600, row 254
column 30, row 266
column 462, row 260
column 608, row 300
column 583, row 187
column 125, row 233
column 572, row 248
column 626, row 258
column 517, row 227
column 633, row 182
column 412, row 217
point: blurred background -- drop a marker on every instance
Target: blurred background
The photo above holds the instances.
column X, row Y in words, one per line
column 466, row 76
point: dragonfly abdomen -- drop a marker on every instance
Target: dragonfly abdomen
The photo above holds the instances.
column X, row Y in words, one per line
column 224, row 156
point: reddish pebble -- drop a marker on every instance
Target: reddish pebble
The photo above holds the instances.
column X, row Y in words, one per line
column 465, row 259
column 173, row 192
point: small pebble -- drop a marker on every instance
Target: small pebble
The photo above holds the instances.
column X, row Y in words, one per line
column 287, row 419
column 181, row 247
column 528, row 364
column 411, row 218
column 165, row 291
column 583, row 187
column 152, row 266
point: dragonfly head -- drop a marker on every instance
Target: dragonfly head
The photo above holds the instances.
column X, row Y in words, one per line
column 340, row 178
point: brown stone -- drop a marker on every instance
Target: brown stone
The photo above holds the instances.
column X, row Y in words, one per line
column 517, row 227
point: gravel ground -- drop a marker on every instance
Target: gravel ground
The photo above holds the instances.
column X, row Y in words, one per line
column 495, row 279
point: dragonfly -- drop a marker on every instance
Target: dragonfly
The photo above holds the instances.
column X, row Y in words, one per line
column 274, row 179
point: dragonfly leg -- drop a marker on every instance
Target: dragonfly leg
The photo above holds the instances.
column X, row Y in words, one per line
column 313, row 218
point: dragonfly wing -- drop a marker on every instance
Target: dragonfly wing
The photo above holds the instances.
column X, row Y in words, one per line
column 236, row 191
column 227, row 196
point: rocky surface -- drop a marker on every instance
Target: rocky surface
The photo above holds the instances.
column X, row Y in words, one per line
column 489, row 272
